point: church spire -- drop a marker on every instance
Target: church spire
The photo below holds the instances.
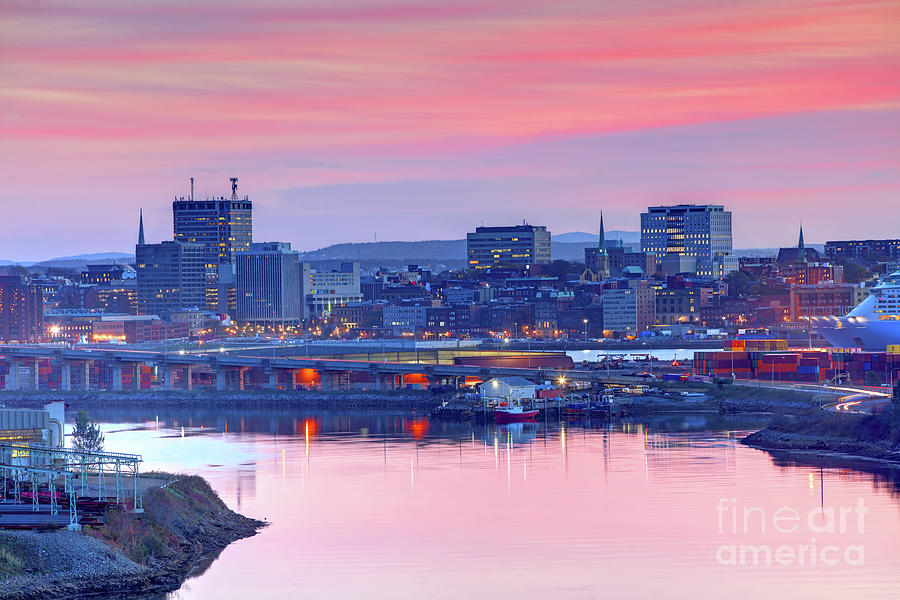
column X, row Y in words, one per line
column 141, row 230
column 801, row 248
column 601, row 246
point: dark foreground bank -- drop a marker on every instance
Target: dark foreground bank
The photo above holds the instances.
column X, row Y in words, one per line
column 185, row 523
column 866, row 436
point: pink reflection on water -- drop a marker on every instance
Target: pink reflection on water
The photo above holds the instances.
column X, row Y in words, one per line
column 517, row 513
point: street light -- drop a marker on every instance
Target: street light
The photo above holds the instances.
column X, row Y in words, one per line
column 585, row 329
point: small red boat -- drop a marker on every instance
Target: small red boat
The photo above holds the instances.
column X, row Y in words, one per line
column 504, row 413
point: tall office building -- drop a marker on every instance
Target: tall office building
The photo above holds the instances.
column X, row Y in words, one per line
column 21, row 310
column 170, row 276
column 267, row 279
column 519, row 245
column 702, row 232
column 224, row 227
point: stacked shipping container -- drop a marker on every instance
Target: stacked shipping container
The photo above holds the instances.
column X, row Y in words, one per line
column 801, row 365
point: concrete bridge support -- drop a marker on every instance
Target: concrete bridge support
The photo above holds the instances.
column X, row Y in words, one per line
column 12, row 378
column 165, row 372
column 65, row 380
column 221, row 375
column 327, row 380
column 116, row 370
column 84, row 369
column 23, row 382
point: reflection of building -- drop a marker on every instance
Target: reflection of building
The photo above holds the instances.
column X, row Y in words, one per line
column 322, row 291
column 701, row 232
column 268, row 284
column 21, row 310
column 519, row 245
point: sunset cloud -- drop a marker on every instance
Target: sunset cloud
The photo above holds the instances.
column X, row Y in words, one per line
column 118, row 103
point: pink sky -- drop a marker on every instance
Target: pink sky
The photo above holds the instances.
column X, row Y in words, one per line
column 421, row 119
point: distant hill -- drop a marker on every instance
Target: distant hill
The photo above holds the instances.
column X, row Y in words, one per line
column 581, row 237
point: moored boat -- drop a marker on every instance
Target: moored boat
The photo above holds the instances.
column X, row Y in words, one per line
column 507, row 412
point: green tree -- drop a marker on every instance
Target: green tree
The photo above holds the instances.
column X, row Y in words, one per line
column 86, row 436
column 854, row 272
column 739, row 283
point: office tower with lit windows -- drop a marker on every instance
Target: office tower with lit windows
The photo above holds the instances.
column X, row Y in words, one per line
column 21, row 310
column 267, row 278
column 224, row 227
column 519, row 245
column 702, row 232
column 170, row 276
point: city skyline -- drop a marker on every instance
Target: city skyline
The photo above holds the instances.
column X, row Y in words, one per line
column 447, row 117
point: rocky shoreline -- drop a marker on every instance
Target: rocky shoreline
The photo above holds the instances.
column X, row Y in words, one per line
column 132, row 555
column 801, row 443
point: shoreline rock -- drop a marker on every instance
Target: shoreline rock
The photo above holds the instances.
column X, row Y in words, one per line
column 769, row 439
column 184, row 525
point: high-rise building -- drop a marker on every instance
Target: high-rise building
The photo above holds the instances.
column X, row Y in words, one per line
column 170, row 275
column 267, row 280
column 699, row 231
column 223, row 226
column 21, row 310
column 322, row 290
column 519, row 245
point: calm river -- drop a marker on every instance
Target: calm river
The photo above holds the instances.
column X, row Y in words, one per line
column 381, row 505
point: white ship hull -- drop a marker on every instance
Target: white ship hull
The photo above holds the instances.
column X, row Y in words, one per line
column 865, row 327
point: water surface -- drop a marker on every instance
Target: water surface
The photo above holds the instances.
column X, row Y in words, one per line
column 384, row 505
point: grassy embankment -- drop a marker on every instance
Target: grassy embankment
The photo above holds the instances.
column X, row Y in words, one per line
column 871, row 436
column 184, row 521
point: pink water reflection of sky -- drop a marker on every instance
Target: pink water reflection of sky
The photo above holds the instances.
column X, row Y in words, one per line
column 421, row 119
column 625, row 515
